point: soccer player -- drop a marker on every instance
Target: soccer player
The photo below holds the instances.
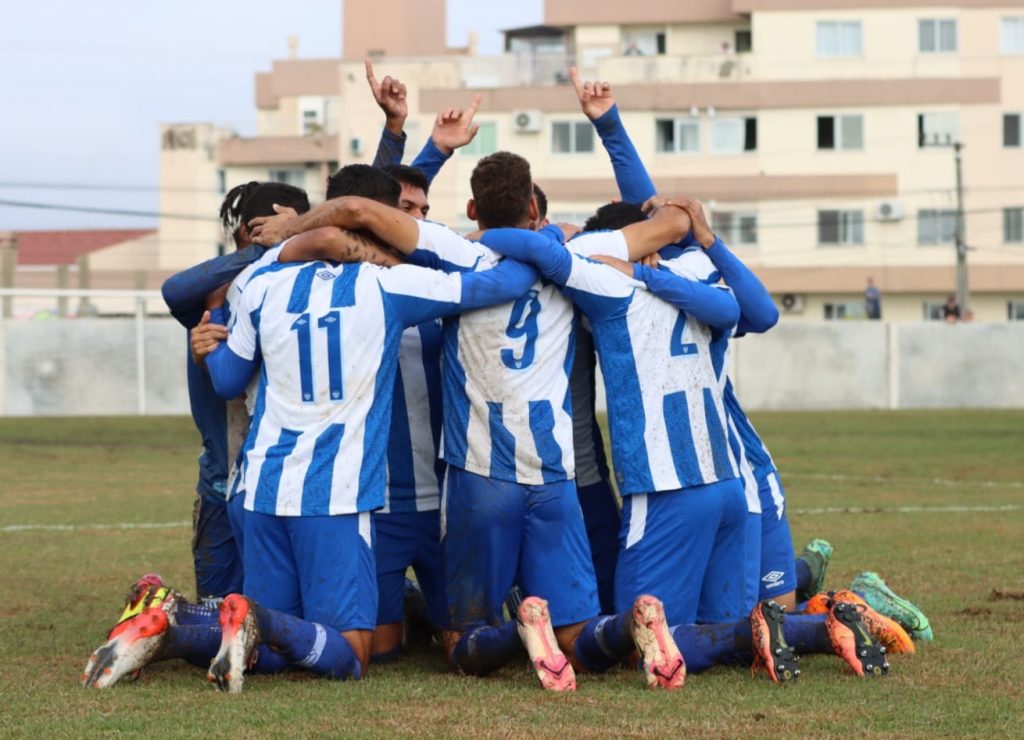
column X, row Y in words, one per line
column 510, row 512
column 217, row 558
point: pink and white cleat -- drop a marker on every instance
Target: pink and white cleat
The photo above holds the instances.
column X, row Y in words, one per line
column 239, row 637
column 548, row 660
column 662, row 662
column 132, row 644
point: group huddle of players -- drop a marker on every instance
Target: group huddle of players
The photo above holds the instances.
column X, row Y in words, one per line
column 377, row 393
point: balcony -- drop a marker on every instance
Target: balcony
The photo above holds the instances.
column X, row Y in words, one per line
column 278, row 150
column 723, row 67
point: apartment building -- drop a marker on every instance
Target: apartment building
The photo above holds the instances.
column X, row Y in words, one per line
column 818, row 132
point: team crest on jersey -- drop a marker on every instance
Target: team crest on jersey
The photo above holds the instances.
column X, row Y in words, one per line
column 326, row 275
column 773, row 579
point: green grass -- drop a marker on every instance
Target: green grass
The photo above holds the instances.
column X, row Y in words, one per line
column 60, row 591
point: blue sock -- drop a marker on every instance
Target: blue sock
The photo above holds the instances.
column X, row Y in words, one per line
column 803, row 576
column 186, row 614
column 707, row 645
column 605, row 642
column 196, row 643
column 307, row 644
column 268, row 662
column 806, row 633
column 486, row 649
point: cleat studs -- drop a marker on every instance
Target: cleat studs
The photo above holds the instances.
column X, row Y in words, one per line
column 863, row 653
column 778, row 651
column 882, row 649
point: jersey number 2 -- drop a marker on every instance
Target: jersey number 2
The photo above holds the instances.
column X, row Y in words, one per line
column 331, row 322
column 522, row 323
column 677, row 345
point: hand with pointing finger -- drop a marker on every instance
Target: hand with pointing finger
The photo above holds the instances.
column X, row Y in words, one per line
column 454, row 128
column 596, row 98
column 390, row 95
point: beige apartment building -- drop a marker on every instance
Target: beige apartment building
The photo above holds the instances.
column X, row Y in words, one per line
column 818, row 132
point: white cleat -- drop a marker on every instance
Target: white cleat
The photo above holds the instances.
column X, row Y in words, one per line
column 131, row 645
column 553, row 669
column 239, row 637
column 662, row 662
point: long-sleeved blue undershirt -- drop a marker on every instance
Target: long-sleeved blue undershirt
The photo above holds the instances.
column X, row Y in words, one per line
column 758, row 313
column 635, row 185
column 710, row 305
column 507, row 281
column 392, row 148
column 430, row 160
column 185, row 292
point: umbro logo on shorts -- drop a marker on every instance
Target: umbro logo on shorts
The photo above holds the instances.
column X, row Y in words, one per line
column 773, row 579
column 325, row 275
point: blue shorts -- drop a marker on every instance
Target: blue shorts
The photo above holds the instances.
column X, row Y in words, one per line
column 752, row 562
column 409, row 540
column 687, row 547
column 319, row 568
column 216, row 555
column 496, row 533
column 778, row 564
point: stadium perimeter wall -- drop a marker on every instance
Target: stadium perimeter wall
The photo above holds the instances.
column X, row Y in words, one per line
column 121, row 366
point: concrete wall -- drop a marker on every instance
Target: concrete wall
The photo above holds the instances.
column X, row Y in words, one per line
column 85, row 367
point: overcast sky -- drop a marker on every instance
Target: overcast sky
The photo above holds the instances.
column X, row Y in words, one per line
column 86, row 85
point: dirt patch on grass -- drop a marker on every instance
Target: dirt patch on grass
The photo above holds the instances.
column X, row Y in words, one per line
column 1000, row 595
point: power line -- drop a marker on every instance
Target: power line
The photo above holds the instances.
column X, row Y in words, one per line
column 105, row 211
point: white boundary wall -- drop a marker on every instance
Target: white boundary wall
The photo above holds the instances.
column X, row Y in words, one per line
column 136, row 365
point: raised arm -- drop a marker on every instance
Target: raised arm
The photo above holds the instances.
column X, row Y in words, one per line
column 453, row 128
column 598, row 104
column 390, row 95
column 185, row 292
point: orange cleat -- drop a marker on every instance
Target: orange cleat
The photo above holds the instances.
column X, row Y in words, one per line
column 820, row 603
column 852, row 641
column 662, row 662
column 771, row 653
column 886, row 631
column 132, row 644
column 239, row 638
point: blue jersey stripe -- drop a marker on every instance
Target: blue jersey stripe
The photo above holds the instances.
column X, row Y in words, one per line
column 401, row 474
column 503, row 444
column 270, row 473
column 717, row 438
column 298, row 302
column 760, row 461
column 343, row 292
column 680, row 437
column 456, row 417
column 542, row 425
column 316, row 488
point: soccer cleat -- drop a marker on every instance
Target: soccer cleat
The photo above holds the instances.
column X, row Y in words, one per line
column 148, row 591
column 534, row 624
column 132, row 644
column 816, row 555
column 239, row 637
column 771, row 653
column 883, row 600
column 852, row 641
column 820, row 603
column 886, row 631
column 662, row 662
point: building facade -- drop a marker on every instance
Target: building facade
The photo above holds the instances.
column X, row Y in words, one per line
column 818, row 132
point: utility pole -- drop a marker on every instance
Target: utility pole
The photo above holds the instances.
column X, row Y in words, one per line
column 962, row 291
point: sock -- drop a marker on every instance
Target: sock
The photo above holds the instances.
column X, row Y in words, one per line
column 186, row 614
column 605, row 641
column 307, row 644
column 196, row 643
column 268, row 662
column 707, row 645
column 803, row 576
column 486, row 649
column 806, row 633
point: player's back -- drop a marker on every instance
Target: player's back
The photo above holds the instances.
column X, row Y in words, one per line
column 319, row 434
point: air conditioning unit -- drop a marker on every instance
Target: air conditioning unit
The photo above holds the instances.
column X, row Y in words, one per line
column 889, row 210
column 792, row 303
column 526, row 121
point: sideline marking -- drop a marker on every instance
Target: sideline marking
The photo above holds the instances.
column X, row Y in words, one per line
column 888, row 479
column 905, row 509
column 80, row 527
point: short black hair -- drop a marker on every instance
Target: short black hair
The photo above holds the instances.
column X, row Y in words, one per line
column 406, row 175
column 612, row 216
column 365, row 181
column 254, row 199
column 542, row 202
column 502, row 189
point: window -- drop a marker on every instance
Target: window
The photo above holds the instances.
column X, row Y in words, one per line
column 575, row 137
column 222, row 183
column 643, row 43
column 1015, row 310
column 840, row 132
column 486, row 141
column 936, row 36
column 839, row 310
column 677, row 135
column 744, row 40
column 311, row 115
column 294, row 177
column 840, row 227
column 1011, row 130
column 735, row 227
column 1012, row 35
column 933, row 310
column 1013, row 225
column 936, row 227
column 839, row 38
column 938, row 129
column 733, row 135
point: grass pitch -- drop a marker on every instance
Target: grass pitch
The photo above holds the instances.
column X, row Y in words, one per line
column 957, row 476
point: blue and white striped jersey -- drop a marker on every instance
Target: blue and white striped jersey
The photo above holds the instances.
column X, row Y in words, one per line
column 508, row 411
column 749, row 453
column 329, row 338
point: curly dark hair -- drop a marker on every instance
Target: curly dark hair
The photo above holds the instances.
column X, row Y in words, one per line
column 502, row 189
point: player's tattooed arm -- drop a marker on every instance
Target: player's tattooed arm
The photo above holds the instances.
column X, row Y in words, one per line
column 336, row 245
